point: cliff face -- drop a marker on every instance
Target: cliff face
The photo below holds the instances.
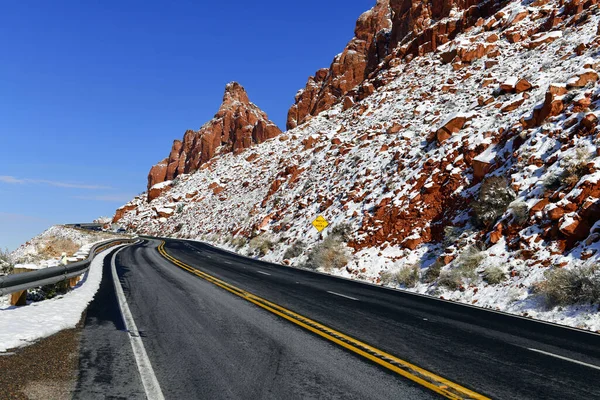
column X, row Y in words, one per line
column 388, row 33
column 238, row 125
column 476, row 129
column 360, row 57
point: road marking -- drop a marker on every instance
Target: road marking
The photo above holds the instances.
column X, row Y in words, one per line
column 565, row 358
column 264, row 273
column 228, row 262
column 410, row 371
column 149, row 381
column 342, row 295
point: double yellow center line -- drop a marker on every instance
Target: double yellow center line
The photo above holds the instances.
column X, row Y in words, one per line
column 416, row 374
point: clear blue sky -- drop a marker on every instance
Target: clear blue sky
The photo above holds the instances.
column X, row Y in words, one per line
column 92, row 93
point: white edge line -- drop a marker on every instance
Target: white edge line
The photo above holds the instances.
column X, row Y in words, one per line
column 264, row 273
column 342, row 295
column 565, row 358
column 149, row 381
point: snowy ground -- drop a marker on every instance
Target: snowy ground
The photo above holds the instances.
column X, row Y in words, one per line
column 20, row 326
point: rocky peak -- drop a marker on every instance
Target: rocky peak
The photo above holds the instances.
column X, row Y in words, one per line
column 238, row 125
column 234, row 92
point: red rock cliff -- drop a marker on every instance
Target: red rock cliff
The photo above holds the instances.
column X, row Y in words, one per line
column 392, row 29
column 236, row 126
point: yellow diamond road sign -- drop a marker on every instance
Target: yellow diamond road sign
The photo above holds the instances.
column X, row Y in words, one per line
column 320, row 223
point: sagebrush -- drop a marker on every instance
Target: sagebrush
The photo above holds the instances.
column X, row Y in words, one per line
column 494, row 275
column 578, row 285
column 294, row 250
column 495, row 196
column 329, row 254
column 261, row 244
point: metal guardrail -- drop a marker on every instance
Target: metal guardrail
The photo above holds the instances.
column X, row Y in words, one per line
column 47, row 276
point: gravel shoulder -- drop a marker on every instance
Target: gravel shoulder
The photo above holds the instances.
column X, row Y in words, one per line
column 44, row 370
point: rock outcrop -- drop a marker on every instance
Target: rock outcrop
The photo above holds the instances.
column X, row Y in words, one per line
column 348, row 69
column 392, row 29
column 238, row 125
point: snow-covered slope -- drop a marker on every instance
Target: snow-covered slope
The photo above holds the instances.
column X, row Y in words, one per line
column 409, row 170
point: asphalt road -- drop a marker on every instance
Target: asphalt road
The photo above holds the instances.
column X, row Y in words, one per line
column 205, row 342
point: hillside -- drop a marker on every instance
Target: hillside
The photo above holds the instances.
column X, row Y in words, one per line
column 452, row 146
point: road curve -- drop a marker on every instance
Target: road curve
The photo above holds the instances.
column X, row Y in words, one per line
column 205, row 342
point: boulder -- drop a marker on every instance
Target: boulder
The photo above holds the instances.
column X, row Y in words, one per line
column 451, row 126
column 582, row 78
column 158, row 189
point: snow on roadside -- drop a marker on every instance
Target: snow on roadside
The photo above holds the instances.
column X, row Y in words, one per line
column 20, row 326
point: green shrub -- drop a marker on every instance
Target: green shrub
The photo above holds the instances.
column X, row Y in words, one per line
column 578, row 285
column 180, row 208
column 433, row 272
column 470, row 258
column 451, row 235
column 343, row 231
column 294, row 250
column 494, row 275
column 329, row 254
column 465, row 268
column 520, row 211
column 261, row 245
column 6, row 263
column 408, row 276
column 575, row 167
column 238, row 242
column 494, row 198
column 450, row 279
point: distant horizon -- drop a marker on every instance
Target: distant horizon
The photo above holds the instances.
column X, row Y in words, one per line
column 96, row 94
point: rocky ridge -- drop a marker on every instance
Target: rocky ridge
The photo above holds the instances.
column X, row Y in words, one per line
column 238, row 125
column 510, row 98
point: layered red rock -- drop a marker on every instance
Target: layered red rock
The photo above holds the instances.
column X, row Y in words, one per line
column 348, row 69
column 392, row 29
column 238, row 125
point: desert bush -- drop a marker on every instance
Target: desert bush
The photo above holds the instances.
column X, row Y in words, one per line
column 493, row 275
column 470, row 258
column 261, row 244
column 329, row 254
column 552, row 182
column 578, row 285
column 294, row 250
column 451, row 235
column 465, row 268
column 343, row 231
column 494, row 198
column 575, row 167
column 408, row 276
column 55, row 246
column 6, row 263
column 238, row 242
column 520, row 211
column 433, row 272
column 180, row 208
column 450, row 279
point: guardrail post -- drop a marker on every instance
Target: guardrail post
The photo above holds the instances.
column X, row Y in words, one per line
column 19, row 298
column 73, row 281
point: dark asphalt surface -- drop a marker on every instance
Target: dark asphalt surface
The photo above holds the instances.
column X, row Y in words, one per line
column 107, row 368
column 204, row 342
